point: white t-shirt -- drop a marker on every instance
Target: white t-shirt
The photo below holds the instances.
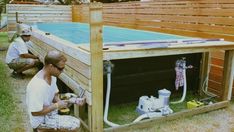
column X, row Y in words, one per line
column 39, row 93
column 15, row 49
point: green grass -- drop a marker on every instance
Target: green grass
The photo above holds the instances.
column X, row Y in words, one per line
column 3, row 40
column 123, row 113
column 7, row 106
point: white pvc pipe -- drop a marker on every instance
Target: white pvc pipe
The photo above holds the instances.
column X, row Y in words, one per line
column 141, row 117
column 108, row 98
column 184, row 88
column 149, row 115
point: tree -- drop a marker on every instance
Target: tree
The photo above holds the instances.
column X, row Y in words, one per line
column 3, row 5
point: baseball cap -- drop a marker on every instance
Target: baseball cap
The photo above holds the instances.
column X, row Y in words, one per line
column 25, row 31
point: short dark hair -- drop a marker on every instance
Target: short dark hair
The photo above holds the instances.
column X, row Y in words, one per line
column 54, row 57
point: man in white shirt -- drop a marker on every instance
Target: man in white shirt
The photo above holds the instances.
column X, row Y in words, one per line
column 17, row 57
column 42, row 97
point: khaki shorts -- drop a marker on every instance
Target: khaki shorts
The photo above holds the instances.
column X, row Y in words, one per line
column 19, row 63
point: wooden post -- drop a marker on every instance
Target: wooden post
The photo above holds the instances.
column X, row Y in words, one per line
column 16, row 17
column 204, row 70
column 75, row 13
column 227, row 75
column 95, row 19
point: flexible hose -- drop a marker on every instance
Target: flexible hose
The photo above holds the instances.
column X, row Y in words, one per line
column 141, row 117
column 184, row 87
column 151, row 115
column 205, row 90
column 108, row 98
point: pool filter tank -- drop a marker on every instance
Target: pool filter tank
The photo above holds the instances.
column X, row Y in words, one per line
column 164, row 94
column 159, row 106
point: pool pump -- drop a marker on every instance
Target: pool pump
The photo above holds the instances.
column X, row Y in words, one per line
column 149, row 107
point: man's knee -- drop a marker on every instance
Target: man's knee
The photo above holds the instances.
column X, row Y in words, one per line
column 16, row 66
column 32, row 62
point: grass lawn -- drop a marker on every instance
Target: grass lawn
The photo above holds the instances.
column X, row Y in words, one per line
column 9, row 111
column 3, row 40
column 7, row 106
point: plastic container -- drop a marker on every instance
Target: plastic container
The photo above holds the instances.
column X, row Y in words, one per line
column 164, row 94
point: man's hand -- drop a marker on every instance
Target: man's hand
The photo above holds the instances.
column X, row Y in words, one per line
column 78, row 101
column 62, row 104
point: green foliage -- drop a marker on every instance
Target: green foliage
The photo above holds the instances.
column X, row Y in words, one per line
column 3, row 6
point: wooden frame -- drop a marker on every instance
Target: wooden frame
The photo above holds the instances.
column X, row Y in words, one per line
column 130, row 51
column 85, row 66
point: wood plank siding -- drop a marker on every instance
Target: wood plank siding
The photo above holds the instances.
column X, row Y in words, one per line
column 36, row 13
column 203, row 18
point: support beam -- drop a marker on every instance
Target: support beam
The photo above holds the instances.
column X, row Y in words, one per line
column 204, row 70
column 95, row 17
column 227, row 75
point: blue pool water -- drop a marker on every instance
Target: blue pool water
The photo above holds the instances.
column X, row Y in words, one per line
column 79, row 33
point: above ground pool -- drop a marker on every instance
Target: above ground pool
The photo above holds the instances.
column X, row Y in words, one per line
column 79, row 33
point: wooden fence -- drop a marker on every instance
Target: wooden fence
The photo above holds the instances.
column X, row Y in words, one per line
column 36, row 13
column 195, row 18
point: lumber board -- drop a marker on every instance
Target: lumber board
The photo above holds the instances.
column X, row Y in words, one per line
column 63, row 45
column 216, row 61
column 64, row 77
column 218, row 54
column 76, row 87
column 37, row 13
column 37, row 6
column 215, row 77
column 216, row 70
column 185, row 26
column 227, row 81
column 171, row 5
column 173, row 18
column 72, row 62
column 72, row 69
column 96, row 44
column 212, row 12
column 204, row 69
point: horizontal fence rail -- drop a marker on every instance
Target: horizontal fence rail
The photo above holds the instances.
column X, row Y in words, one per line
column 36, row 13
column 203, row 18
